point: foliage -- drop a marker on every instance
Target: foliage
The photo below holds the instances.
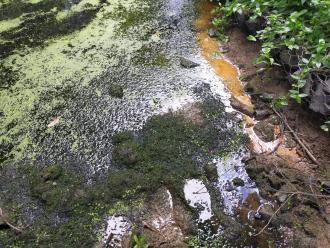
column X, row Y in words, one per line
column 326, row 125
column 301, row 27
column 280, row 102
column 139, row 242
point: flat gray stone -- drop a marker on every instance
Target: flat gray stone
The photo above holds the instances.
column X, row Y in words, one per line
column 187, row 63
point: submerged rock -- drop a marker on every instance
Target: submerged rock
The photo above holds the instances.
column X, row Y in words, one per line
column 126, row 153
column 165, row 221
column 187, row 63
column 213, row 33
column 116, row 91
column 238, row 182
column 52, row 172
column 261, row 114
column 211, row 172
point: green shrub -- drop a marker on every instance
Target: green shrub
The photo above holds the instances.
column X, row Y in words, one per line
column 301, row 26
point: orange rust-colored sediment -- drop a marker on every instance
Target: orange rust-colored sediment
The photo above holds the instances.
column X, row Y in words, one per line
column 210, row 48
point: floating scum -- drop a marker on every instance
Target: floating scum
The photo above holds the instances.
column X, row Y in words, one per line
column 96, row 116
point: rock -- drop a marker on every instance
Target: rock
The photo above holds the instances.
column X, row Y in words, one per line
column 274, row 181
column 266, row 211
column 211, row 172
column 164, row 221
column 52, row 172
column 116, row 91
column 265, row 131
column 266, row 97
column 228, row 186
column 187, row 63
column 126, row 153
column 213, row 33
column 290, row 142
column 320, row 100
column 238, row 105
column 261, row 114
column 290, row 59
column 238, row 182
column 249, row 87
column 282, row 197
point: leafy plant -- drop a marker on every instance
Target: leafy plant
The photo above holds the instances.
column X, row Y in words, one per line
column 280, row 102
column 326, row 125
column 300, row 27
column 139, row 242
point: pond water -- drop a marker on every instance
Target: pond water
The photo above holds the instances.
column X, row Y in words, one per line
column 73, row 73
column 53, row 69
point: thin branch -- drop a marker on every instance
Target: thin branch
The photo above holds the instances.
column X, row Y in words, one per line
column 303, row 193
column 301, row 143
column 272, row 217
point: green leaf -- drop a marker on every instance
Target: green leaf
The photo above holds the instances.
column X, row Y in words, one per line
column 306, row 61
column 251, row 38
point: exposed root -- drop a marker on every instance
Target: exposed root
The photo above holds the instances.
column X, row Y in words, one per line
column 4, row 219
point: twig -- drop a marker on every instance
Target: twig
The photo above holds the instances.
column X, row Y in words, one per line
column 303, row 193
column 310, row 155
column 272, row 217
column 199, row 191
column 8, row 223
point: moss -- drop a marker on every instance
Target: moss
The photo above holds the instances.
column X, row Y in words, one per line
column 36, row 29
column 163, row 154
column 116, row 91
column 59, row 189
column 121, row 137
column 133, row 17
column 52, row 172
column 151, row 57
column 160, row 60
column 167, row 151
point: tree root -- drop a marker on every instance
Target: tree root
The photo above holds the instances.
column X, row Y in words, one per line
column 4, row 219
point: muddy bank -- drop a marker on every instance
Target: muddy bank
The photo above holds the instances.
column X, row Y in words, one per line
column 284, row 173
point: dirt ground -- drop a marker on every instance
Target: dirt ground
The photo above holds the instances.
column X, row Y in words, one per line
column 303, row 121
column 288, row 169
